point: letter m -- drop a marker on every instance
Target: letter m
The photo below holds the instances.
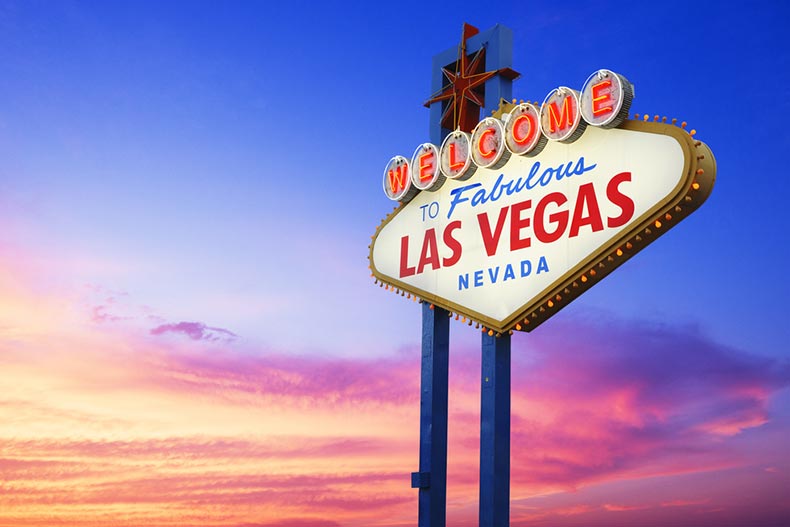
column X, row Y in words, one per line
column 561, row 120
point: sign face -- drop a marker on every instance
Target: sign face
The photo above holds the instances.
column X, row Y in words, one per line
column 507, row 240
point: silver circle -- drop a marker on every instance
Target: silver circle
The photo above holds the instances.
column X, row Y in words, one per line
column 399, row 164
column 576, row 128
column 536, row 144
column 437, row 179
column 460, row 140
column 498, row 140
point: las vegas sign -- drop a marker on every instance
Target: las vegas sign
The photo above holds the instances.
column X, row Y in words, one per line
column 507, row 224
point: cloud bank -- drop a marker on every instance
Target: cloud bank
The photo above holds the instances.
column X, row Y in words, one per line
column 614, row 423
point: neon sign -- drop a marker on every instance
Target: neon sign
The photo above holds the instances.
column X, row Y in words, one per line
column 505, row 225
column 604, row 101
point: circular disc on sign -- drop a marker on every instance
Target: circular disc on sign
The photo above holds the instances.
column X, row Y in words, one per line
column 606, row 98
column 560, row 115
column 425, row 173
column 522, row 131
column 488, row 144
column 397, row 180
column 455, row 158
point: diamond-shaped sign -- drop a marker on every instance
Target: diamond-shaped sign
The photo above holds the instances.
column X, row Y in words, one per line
column 512, row 244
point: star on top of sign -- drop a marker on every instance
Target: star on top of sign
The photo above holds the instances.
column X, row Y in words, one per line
column 463, row 94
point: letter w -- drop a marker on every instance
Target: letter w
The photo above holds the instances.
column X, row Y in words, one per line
column 397, row 177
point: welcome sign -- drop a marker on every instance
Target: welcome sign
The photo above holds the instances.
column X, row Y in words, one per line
column 506, row 225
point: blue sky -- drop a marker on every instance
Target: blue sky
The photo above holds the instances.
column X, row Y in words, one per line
column 206, row 148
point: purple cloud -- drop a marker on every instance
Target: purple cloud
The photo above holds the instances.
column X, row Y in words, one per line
column 195, row 331
column 99, row 314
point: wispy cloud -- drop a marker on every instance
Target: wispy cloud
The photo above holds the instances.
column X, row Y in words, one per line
column 195, row 331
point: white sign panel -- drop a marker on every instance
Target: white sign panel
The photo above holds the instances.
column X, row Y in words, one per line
column 494, row 245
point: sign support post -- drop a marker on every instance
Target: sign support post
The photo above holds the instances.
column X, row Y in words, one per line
column 495, row 432
column 432, row 477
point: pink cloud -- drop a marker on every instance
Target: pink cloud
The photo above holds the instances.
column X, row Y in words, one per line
column 614, row 507
column 196, row 448
column 324, row 380
column 684, row 503
column 635, row 423
column 292, row 522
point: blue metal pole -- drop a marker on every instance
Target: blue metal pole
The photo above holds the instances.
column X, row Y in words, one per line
column 432, row 477
column 495, row 432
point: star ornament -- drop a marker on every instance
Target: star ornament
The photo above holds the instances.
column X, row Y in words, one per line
column 464, row 92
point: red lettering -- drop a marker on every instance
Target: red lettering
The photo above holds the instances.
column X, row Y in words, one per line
column 517, row 127
column 452, row 244
column 625, row 203
column 486, row 154
column 601, row 94
column 405, row 270
column 425, row 170
column 517, row 223
column 491, row 239
column 586, row 200
column 561, row 120
column 560, row 218
column 430, row 252
column 398, row 177
column 455, row 163
column 429, row 255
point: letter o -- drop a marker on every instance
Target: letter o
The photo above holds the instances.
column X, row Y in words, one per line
column 523, row 136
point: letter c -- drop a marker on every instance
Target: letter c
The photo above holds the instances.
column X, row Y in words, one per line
column 486, row 154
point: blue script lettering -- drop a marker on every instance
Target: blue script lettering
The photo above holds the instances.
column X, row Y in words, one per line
column 457, row 198
column 536, row 177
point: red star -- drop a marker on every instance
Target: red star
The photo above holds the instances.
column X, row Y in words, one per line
column 465, row 91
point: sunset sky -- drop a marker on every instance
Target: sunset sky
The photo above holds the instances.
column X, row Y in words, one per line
column 189, row 334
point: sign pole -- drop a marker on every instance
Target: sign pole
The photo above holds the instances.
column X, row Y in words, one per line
column 495, row 432
column 573, row 152
column 432, row 477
